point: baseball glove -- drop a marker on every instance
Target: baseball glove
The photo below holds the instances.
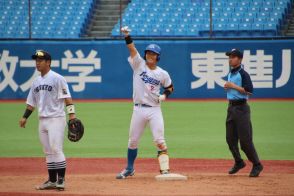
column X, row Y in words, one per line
column 75, row 130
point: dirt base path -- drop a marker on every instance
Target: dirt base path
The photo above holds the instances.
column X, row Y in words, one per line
column 90, row 176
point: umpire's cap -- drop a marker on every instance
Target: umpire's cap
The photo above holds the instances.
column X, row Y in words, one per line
column 41, row 54
column 235, row 52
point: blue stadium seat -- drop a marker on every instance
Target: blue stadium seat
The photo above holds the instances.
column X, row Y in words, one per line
column 197, row 21
column 248, row 19
column 264, row 14
column 180, row 32
column 192, row 32
column 232, row 28
column 115, row 32
column 243, row 9
column 262, row 20
column 244, row 4
column 16, row 13
column 155, row 32
column 167, row 32
column 204, row 30
column 221, row 20
column 245, row 29
column 219, row 29
column 266, row 9
column 230, row 17
column 257, row 3
column 238, row 15
column 251, row 14
column 274, row 20
column 257, row 29
column 270, row 29
column 236, row 20
column 220, row 4
column 225, row 14
column 269, row 3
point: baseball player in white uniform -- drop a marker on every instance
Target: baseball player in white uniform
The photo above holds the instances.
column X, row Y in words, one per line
column 49, row 93
column 148, row 79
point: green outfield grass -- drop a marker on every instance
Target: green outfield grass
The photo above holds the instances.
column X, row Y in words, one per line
column 193, row 130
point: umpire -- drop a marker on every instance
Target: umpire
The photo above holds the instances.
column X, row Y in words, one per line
column 238, row 123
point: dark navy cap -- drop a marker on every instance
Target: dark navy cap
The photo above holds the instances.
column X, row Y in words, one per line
column 235, row 52
column 41, row 54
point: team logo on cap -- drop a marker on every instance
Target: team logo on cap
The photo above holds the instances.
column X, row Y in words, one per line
column 40, row 53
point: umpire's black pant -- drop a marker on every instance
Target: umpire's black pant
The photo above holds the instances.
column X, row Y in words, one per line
column 239, row 127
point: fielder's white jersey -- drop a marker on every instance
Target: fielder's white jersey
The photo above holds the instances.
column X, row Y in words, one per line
column 47, row 93
column 147, row 82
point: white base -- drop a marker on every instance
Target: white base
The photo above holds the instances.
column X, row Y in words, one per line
column 170, row 177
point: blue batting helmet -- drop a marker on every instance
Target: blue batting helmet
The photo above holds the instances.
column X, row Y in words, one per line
column 153, row 48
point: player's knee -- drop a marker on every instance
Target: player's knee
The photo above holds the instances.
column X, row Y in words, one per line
column 55, row 149
column 133, row 144
column 47, row 152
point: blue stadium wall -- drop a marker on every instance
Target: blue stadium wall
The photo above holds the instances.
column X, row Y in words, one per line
column 100, row 70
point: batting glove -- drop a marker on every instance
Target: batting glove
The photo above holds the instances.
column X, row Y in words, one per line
column 126, row 29
column 161, row 98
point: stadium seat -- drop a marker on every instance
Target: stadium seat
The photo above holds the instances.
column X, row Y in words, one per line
column 245, row 29
column 230, row 17
column 257, row 29
column 270, row 29
column 46, row 15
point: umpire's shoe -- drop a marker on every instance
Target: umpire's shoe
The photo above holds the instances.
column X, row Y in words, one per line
column 237, row 167
column 256, row 169
column 125, row 173
column 60, row 184
column 46, row 185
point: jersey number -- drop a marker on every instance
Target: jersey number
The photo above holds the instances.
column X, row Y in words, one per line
column 151, row 88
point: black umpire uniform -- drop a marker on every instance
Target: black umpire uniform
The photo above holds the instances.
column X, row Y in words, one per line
column 238, row 122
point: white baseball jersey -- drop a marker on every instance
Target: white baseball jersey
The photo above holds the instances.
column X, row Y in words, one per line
column 147, row 82
column 47, row 93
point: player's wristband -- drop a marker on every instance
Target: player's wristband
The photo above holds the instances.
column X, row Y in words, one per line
column 167, row 90
column 167, row 93
column 128, row 40
column 27, row 113
column 70, row 109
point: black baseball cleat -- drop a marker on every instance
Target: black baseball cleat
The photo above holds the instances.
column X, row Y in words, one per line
column 237, row 167
column 256, row 169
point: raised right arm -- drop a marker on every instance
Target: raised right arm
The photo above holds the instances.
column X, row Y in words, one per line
column 130, row 44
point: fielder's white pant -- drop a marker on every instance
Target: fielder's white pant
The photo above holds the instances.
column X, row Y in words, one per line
column 140, row 118
column 51, row 134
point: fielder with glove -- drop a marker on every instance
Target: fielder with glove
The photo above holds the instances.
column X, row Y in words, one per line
column 148, row 79
column 75, row 130
column 49, row 93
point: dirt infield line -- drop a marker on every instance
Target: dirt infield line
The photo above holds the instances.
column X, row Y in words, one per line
column 32, row 166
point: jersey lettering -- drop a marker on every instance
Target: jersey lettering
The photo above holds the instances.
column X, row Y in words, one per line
column 43, row 87
column 148, row 79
